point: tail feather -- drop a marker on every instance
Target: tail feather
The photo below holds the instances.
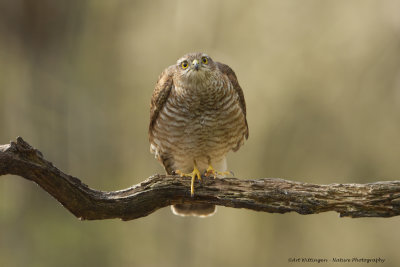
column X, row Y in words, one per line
column 200, row 210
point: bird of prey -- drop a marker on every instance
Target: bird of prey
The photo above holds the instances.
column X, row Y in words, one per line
column 197, row 115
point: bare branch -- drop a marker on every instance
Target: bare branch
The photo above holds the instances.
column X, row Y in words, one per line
column 380, row 199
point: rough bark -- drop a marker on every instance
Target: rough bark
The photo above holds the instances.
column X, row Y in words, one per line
column 379, row 199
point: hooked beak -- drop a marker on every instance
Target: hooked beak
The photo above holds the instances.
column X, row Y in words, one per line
column 196, row 64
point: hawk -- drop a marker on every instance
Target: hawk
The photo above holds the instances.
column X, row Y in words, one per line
column 197, row 115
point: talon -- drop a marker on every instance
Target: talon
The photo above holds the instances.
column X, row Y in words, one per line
column 210, row 171
column 195, row 173
column 180, row 173
column 225, row 173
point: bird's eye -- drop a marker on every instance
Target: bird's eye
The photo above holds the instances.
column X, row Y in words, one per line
column 184, row 64
column 204, row 60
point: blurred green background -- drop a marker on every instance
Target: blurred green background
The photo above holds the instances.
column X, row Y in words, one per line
column 322, row 85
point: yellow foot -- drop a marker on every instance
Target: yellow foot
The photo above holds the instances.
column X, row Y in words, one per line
column 210, row 171
column 193, row 174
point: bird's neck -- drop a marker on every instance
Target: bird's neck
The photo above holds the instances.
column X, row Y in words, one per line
column 193, row 86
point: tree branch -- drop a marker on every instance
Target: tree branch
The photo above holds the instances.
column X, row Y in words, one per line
column 380, row 199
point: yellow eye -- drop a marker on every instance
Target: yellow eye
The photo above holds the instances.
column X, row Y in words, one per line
column 204, row 60
column 184, row 64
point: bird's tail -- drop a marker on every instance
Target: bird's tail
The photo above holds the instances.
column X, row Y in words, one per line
column 199, row 209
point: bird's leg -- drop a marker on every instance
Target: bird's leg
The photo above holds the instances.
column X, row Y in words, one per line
column 210, row 170
column 193, row 174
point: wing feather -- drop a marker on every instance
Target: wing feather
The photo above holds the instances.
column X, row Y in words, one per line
column 225, row 69
column 160, row 96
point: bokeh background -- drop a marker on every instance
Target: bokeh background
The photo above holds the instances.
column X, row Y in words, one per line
column 322, row 85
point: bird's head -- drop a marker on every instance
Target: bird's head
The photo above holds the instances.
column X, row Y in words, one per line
column 195, row 67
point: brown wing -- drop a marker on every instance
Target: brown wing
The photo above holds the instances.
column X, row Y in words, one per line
column 160, row 96
column 225, row 69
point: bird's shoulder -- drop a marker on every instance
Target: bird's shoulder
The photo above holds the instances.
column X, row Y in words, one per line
column 161, row 92
column 226, row 70
column 230, row 74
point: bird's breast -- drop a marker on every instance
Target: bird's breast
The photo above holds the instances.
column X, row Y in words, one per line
column 203, row 122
